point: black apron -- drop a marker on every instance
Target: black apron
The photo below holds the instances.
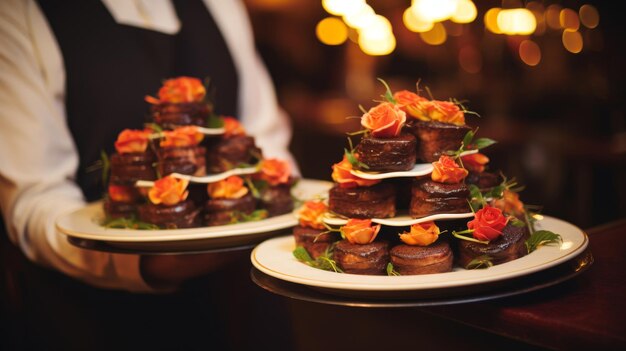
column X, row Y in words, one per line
column 111, row 67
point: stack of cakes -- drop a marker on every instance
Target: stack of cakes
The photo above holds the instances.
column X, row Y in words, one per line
column 178, row 151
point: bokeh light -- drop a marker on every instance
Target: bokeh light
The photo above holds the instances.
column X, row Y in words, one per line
column 342, row 7
column 572, row 41
column 568, row 19
column 516, row 21
column 377, row 46
column 529, row 52
column 491, row 20
column 465, row 12
column 589, row 16
column 435, row 36
column 415, row 24
column 434, row 10
column 331, row 31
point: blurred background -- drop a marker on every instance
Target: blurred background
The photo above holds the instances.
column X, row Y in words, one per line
column 544, row 76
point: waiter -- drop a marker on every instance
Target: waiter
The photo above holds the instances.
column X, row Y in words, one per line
column 73, row 74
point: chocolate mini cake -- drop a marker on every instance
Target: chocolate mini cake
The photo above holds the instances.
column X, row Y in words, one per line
column 172, row 115
column 388, row 154
column 127, row 168
column 377, row 201
column 227, row 211
column 315, row 241
column 435, row 138
column 430, row 197
column 277, row 199
column 411, row 260
column 119, row 209
column 483, row 180
column 369, row 259
column 507, row 247
column 181, row 215
column 228, row 153
column 182, row 159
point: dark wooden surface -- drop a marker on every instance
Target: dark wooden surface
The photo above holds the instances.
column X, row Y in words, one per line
column 588, row 312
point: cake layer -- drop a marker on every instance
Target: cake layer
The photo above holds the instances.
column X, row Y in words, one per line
column 172, row 115
column 411, row 260
column 184, row 159
column 227, row 211
column 429, row 197
column 128, row 168
column 315, row 241
column 388, row 154
column 228, row 153
column 182, row 215
column 117, row 209
column 507, row 247
column 435, row 138
column 362, row 259
column 377, row 201
column 277, row 199
column 483, row 180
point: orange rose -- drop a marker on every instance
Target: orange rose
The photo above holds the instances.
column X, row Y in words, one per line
column 122, row 193
column 229, row 188
column 412, row 104
column 488, row 223
column 421, row 234
column 447, row 112
column 446, row 170
column 132, row 140
column 312, row 213
column 168, row 191
column 385, row 120
column 345, row 179
column 360, row 231
column 475, row 162
column 274, row 171
column 232, row 127
column 183, row 136
column 180, row 90
column 510, row 203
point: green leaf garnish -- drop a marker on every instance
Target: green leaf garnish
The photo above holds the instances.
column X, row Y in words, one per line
column 516, row 222
column 391, row 271
column 481, row 143
column 128, row 223
column 302, row 255
column 480, row 262
column 463, row 236
column 215, row 121
column 542, row 237
column 356, row 164
column 106, row 166
column 324, row 261
column 388, row 94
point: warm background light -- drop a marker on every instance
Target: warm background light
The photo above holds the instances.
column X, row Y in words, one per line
column 415, row 24
column 360, row 18
column 553, row 16
column 572, row 41
column 529, row 52
column 434, row 10
column 331, row 31
column 465, row 12
column 342, row 7
column 377, row 46
column 516, row 21
column 491, row 20
column 435, row 36
column 568, row 19
column 589, row 16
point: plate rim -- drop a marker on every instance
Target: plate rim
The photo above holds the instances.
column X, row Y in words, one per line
column 412, row 286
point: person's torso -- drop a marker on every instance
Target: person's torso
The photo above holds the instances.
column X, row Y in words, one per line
column 111, row 67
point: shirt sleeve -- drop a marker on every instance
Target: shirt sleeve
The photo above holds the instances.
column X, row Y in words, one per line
column 259, row 110
column 38, row 158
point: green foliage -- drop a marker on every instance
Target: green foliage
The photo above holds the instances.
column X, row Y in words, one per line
column 542, row 237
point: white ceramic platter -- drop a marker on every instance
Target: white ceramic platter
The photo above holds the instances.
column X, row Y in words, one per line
column 85, row 224
column 402, row 220
column 274, row 257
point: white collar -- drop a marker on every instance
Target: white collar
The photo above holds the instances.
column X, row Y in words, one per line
column 157, row 15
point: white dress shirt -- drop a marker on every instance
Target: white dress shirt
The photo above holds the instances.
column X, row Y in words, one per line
column 38, row 158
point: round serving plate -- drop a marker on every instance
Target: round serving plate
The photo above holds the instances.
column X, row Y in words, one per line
column 274, row 258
